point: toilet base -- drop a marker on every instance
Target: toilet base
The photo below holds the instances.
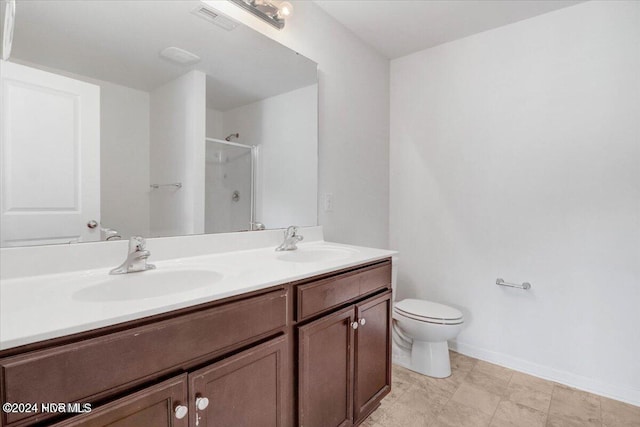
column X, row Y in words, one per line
column 431, row 358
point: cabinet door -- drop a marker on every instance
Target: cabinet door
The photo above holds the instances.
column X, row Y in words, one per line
column 154, row 406
column 244, row 390
column 325, row 371
column 372, row 354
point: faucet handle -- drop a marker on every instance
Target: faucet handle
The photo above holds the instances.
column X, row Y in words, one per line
column 137, row 243
column 291, row 231
column 292, row 234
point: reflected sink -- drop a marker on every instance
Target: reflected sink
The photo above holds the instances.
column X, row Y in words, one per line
column 316, row 254
column 147, row 284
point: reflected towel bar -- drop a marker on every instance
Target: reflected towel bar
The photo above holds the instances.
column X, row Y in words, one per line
column 175, row 184
column 524, row 285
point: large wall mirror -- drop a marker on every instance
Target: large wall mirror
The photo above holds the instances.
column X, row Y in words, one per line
column 152, row 118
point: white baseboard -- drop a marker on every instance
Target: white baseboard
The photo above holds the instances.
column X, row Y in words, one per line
column 613, row 391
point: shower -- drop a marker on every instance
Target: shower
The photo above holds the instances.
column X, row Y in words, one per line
column 230, row 175
column 233, row 135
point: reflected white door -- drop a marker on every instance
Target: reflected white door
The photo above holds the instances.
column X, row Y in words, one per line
column 49, row 157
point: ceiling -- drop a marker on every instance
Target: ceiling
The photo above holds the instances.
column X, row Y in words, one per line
column 120, row 41
column 399, row 27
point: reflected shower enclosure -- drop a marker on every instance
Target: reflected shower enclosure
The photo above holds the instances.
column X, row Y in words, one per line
column 230, row 175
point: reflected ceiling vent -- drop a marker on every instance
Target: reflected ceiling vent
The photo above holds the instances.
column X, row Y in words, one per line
column 180, row 56
column 214, row 16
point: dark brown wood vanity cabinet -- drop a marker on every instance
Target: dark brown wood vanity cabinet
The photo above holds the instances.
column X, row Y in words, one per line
column 243, row 390
column 164, row 404
column 118, row 371
column 320, row 347
column 344, row 357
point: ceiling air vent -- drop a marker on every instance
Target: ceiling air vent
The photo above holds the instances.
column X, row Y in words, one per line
column 180, row 56
column 213, row 16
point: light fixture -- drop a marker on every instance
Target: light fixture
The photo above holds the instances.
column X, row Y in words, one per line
column 271, row 11
column 285, row 10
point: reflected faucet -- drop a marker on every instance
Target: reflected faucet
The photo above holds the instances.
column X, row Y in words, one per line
column 110, row 234
column 291, row 238
column 136, row 258
column 257, row 226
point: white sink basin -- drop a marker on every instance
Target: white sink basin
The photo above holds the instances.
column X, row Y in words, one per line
column 147, row 284
column 319, row 254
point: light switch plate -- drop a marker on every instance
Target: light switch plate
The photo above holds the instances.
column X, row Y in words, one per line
column 328, row 202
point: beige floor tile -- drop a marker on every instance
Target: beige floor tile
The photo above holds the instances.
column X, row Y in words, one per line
column 487, row 382
column 428, row 403
column 475, row 388
column 380, row 413
column 447, row 385
column 398, row 388
column 570, row 405
column 369, row 423
column 455, row 414
column 619, row 414
column 499, row 372
column 413, row 399
column 512, row 414
column 526, row 396
column 461, row 362
column 532, row 382
column 404, row 416
column 402, row 375
column 476, row 398
column 556, row 420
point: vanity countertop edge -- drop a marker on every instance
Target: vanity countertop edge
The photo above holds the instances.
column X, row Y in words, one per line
column 39, row 308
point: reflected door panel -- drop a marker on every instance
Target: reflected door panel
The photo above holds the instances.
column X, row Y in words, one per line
column 50, row 150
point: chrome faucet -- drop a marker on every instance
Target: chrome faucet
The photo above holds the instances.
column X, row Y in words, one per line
column 110, row 234
column 256, row 226
column 291, row 237
column 136, row 259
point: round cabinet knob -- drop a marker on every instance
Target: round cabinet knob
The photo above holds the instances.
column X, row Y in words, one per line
column 202, row 403
column 181, row 411
column 354, row 325
column 92, row 224
column 363, row 321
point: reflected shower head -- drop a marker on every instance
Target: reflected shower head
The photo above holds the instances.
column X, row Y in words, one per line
column 233, row 135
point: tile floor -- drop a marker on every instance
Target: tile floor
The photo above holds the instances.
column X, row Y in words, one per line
column 481, row 394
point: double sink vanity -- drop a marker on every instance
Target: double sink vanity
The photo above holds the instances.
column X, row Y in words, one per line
column 251, row 337
column 223, row 330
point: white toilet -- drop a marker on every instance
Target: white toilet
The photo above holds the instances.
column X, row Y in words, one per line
column 421, row 330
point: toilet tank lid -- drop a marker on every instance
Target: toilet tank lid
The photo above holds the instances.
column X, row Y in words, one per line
column 428, row 309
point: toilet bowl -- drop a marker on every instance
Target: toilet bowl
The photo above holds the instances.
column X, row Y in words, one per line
column 425, row 327
column 421, row 330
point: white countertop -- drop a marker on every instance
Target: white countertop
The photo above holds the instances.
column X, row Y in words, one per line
column 48, row 306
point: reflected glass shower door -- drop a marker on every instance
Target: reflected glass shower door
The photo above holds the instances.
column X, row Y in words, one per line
column 229, row 186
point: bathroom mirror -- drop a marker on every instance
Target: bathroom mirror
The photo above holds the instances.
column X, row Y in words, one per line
column 152, row 118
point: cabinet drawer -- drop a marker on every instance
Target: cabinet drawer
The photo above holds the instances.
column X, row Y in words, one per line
column 322, row 295
column 99, row 367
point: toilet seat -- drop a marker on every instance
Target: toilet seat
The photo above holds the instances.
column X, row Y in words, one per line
column 428, row 312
